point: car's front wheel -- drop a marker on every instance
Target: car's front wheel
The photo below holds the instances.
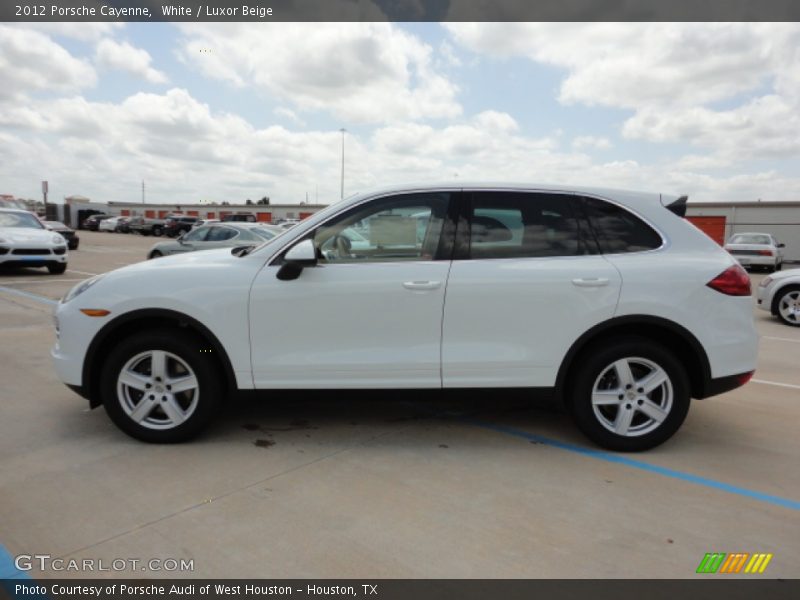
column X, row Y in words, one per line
column 57, row 268
column 629, row 394
column 787, row 304
column 161, row 386
column 157, row 231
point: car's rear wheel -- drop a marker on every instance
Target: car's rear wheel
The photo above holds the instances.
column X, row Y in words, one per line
column 157, row 231
column 629, row 394
column 155, row 254
column 159, row 386
column 787, row 304
column 57, row 268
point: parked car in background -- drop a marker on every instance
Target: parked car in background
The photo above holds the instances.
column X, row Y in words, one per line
column 201, row 222
column 288, row 223
column 66, row 232
column 26, row 242
column 756, row 250
column 146, row 226
column 174, row 225
column 608, row 300
column 779, row 294
column 216, row 235
column 123, row 225
column 239, row 218
column 93, row 222
column 109, row 224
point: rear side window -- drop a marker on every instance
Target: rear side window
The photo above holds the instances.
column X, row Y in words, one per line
column 618, row 230
column 526, row 225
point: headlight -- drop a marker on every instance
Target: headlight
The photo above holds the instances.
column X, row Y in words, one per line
column 765, row 282
column 80, row 288
column 58, row 239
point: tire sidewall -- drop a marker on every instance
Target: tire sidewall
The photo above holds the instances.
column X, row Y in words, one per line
column 596, row 360
column 187, row 348
column 779, row 297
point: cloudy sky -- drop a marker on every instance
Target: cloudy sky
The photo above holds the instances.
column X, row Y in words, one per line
column 234, row 111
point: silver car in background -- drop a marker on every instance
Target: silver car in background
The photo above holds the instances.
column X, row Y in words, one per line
column 217, row 235
column 756, row 250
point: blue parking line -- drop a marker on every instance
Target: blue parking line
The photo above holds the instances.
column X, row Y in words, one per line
column 638, row 464
column 8, row 570
column 29, row 295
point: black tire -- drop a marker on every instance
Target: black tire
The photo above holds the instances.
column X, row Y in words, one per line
column 73, row 246
column 157, row 231
column 779, row 267
column 787, row 294
column 57, row 268
column 155, row 254
column 595, row 365
column 186, row 348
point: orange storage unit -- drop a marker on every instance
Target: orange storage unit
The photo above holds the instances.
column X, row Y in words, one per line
column 210, row 215
column 713, row 227
column 193, row 213
column 125, row 212
column 162, row 213
column 305, row 215
column 223, row 214
column 149, row 214
column 264, row 217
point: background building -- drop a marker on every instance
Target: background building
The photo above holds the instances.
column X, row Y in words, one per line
column 721, row 220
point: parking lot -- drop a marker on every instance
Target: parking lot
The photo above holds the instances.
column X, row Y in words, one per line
column 384, row 484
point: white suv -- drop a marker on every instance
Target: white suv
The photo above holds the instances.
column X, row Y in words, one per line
column 608, row 299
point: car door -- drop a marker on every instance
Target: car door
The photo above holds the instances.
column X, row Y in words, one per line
column 526, row 281
column 366, row 316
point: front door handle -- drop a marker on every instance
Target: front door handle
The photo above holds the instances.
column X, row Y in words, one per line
column 590, row 282
column 421, row 285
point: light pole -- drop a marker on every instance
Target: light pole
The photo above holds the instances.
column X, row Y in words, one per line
column 343, row 130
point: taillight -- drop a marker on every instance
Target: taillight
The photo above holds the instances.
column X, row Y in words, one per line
column 733, row 281
column 765, row 252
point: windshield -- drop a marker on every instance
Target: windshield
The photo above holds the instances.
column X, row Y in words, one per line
column 19, row 219
column 751, row 238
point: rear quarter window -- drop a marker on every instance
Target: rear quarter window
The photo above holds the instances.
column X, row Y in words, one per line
column 618, row 230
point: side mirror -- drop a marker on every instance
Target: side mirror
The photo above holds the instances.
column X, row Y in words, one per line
column 298, row 257
column 781, row 245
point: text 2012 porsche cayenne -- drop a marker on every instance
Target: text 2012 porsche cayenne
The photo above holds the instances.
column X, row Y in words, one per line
column 607, row 298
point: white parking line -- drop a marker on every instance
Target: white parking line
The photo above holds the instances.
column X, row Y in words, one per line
column 4, row 282
column 82, row 272
column 779, row 384
column 780, row 339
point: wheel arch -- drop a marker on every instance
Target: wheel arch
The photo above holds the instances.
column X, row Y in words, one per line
column 686, row 347
column 139, row 320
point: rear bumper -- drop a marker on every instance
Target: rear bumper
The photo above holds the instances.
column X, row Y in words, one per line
column 720, row 385
column 757, row 261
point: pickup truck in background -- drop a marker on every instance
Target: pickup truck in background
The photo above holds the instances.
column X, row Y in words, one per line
column 146, row 226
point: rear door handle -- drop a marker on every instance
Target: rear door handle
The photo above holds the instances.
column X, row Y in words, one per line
column 590, row 282
column 421, row 285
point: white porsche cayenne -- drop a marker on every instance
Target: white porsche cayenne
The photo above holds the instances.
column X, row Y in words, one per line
column 25, row 242
column 607, row 299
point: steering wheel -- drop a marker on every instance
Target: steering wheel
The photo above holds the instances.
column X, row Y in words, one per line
column 343, row 246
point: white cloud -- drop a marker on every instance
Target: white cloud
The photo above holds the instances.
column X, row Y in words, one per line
column 671, row 75
column 125, row 57
column 288, row 113
column 85, row 32
column 30, row 61
column 591, row 142
column 359, row 72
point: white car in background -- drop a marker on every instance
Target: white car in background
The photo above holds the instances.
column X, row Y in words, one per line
column 756, row 250
column 25, row 242
column 108, row 224
column 608, row 300
column 779, row 294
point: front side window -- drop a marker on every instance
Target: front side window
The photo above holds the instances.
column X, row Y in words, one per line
column 618, row 230
column 526, row 225
column 220, row 234
column 406, row 227
column 196, row 235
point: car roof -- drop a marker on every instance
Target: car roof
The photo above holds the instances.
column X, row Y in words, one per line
column 15, row 210
column 632, row 196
